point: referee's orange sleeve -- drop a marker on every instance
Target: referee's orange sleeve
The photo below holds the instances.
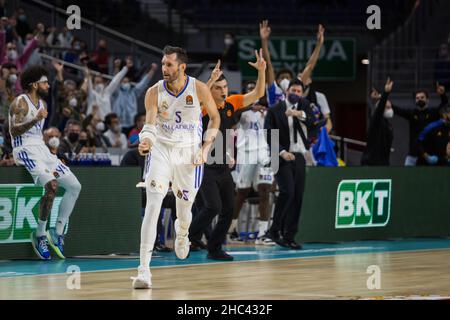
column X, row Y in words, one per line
column 236, row 100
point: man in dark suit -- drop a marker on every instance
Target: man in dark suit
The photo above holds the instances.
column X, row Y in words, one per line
column 292, row 118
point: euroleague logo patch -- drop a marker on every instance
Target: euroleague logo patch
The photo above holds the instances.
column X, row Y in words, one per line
column 189, row 101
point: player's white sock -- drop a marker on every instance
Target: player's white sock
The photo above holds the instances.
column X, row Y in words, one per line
column 149, row 226
column 73, row 188
column 184, row 214
column 40, row 231
column 233, row 225
column 262, row 227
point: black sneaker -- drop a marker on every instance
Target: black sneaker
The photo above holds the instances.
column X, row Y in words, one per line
column 161, row 248
column 220, row 255
column 293, row 245
column 234, row 235
column 199, row 244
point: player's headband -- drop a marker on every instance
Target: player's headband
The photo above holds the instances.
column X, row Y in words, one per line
column 42, row 79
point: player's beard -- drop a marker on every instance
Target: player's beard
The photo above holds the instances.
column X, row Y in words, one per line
column 42, row 93
column 173, row 78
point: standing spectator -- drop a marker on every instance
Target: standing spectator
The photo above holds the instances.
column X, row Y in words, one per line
column 277, row 84
column 292, row 117
column 22, row 27
column 9, row 53
column 114, row 133
column 230, row 54
column 101, row 56
column 133, row 136
column 419, row 118
column 125, row 100
column 380, row 135
column 442, row 67
column 7, row 89
column 434, row 140
column 100, row 94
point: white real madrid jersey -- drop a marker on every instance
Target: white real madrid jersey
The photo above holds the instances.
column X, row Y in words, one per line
column 250, row 135
column 33, row 136
column 179, row 120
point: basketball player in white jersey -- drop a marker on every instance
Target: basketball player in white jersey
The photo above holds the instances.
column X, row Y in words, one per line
column 26, row 119
column 172, row 136
column 253, row 168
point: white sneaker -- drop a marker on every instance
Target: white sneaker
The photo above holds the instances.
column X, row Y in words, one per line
column 143, row 280
column 264, row 240
column 182, row 243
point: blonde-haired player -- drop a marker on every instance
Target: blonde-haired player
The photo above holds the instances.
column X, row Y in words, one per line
column 172, row 136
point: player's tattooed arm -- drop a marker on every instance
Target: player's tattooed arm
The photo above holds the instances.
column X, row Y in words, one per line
column 18, row 112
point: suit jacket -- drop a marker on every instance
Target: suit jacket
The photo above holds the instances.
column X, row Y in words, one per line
column 277, row 119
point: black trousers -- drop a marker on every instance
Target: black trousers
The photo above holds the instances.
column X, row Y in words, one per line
column 215, row 197
column 291, row 183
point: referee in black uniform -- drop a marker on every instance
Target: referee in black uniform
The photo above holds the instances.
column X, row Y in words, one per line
column 216, row 193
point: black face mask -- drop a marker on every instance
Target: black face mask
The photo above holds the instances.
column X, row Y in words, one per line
column 73, row 137
column 421, row 104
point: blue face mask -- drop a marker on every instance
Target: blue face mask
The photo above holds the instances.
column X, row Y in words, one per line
column 23, row 18
column 126, row 86
column 293, row 98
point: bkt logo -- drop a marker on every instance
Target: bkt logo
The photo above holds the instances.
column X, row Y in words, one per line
column 19, row 211
column 363, row 203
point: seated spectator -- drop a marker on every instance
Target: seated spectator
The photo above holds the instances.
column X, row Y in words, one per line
column 70, row 143
column 6, row 157
column 101, row 56
column 114, row 133
column 52, row 138
column 434, row 140
column 133, row 137
column 125, row 100
column 380, row 135
column 95, row 128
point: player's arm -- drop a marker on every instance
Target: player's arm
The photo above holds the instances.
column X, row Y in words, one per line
column 307, row 72
column 259, row 90
column 207, row 101
column 147, row 136
column 264, row 33
column 18, row 112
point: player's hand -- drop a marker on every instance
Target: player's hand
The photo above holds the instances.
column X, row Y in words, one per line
column 216, row 73
column 145, row 147
column 260, row 63
column 41, row 114
column 264, row 30
column 440, row 89
column 288, row 156
column 202, row 155
column 154, row 67
column 59, row 67
column 388, row 85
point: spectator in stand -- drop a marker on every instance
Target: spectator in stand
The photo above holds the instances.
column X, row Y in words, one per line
column 52, row 138
column 442, row 67
column 230, row 54
column 22, row 27
column 125, row 100
column 101, row 57
column 7, row 89
column 66, row 99
column 419, row 118
column 277, row 84
column 95, row 128
column 380, row 134
column 114, row 133
column 133, row 137
column 434, row 140
column 9, row 53
column 132, row 73
column 70, row 144
column 99, row 93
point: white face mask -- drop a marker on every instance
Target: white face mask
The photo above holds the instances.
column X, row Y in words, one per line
column 12, row 54
column 228, row 41
column 12, row 78
column 389, row 113
column 53, row 142
column 99, row 87
column 284, row 84
column 73, row 102
column 100, row 127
